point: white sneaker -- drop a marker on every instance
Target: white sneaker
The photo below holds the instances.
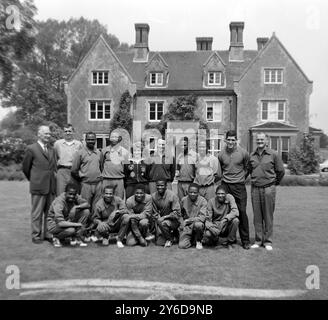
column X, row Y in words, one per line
column 150, row 237
column 87, row 239
column 56, row 242
column 73, row 242
column 168, row 244
column 81, row 243
column 199, row 245
column 255, row 246
column 94, row 238
column 119, row 244
column 268, row 247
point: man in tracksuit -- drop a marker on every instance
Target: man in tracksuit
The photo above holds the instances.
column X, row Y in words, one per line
column 222, row 219
column 110, row 216
column 234, row 164
column 193, row 211
column 167, row 213
column 140, row 209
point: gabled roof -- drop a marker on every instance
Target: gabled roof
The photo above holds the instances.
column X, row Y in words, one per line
column 274, row 125
column 157, row 54
column 100, row 39
column 215, row 53
column 261, row 52
column 186, row 67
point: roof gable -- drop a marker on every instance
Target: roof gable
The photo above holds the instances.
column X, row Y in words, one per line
column 102, row 40
column 262, row 52
column 156, row 63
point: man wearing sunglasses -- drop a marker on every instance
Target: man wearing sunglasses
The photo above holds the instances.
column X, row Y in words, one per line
column 65, row 149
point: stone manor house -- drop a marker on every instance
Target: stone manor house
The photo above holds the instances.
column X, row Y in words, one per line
column 247, row 90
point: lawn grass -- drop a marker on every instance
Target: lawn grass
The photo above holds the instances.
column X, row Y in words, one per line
column 300, row 240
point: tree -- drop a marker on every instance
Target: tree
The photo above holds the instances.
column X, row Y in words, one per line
column 304, row 159
column 38, row 92
column 17, row 29
column 122, row 117
column 323, row 141
column 182, row 108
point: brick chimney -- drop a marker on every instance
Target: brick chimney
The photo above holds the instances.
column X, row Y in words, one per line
column 261, row 43
column 236, row 49
column 204, row 43
column 141, row 48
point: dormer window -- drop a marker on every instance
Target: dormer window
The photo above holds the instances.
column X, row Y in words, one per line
column 156, row 78
column 273, row 76
column 100, row 77
column 215, row 78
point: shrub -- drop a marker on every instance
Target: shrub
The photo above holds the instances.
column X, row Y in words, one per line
column 305, row 158
column 12, row 150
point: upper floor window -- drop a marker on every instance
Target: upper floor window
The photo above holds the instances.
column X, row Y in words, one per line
column 215, row 78
column 99, row 110
column 156, row 79
column 273, row 75
column 214, row 111
column 156, row 110
column 100, row 77
column 273, row 111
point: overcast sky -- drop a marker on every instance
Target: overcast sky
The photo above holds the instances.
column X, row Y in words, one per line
column 300, row 25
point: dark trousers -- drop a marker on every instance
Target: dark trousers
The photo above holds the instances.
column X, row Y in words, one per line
column 120, row 226
column 238, row 190
column 166, row 231
column 81, row 216
column 191, row 234
column 139, row 229
column 263, row 202
column 215, row 230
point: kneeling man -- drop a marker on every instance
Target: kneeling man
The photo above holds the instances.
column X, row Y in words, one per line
column 193, row 210
column 222, row 219
column 140, row 210
column 167, row 213
column 67, row 217
column 111, row 216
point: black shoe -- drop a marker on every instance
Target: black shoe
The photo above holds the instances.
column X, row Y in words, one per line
column 50, row 240
column 246, row 246
column 37, row 241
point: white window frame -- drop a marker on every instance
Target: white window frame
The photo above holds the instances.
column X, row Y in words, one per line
column 275, row 72
column 156, row 109
column 270, row 103
column 155, row 145
column 212, row 150
column 103, row 77
column 103, row 104
column 158, row 76
column 281, row 142
column 215, row 83
column 207, row 106
column 278, row 141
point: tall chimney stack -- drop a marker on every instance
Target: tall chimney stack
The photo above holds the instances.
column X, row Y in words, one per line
column 236, row 49
column 261, row 42
column 141, row 48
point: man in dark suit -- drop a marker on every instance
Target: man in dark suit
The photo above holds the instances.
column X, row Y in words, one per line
column 39, row 166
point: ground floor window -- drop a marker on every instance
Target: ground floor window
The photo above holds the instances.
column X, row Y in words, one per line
column 215, row 146
column 281, row 145
column 102, row 141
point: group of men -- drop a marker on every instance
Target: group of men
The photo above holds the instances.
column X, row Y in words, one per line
column 105, row 192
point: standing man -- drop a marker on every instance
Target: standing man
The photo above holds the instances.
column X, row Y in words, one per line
column 65, row 150
column 39, row 166
column 186, row 168
column 111, row 216
column 68, row 215
column 161, row 167
column 87, row 167
column 266, row 170
column 222, row 219
column 208, row 171
column 115, row 156
column 234, row 163
column 140, row 210
column 193, row 210
column 167, row 213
